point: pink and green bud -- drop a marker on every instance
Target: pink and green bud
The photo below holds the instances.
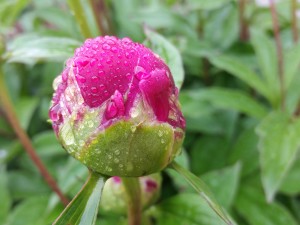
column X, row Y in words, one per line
column 115, row 108
column 114, row 199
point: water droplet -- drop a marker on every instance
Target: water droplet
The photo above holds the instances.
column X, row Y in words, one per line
column 134, row 112
column 121, row 165
column 162, row 141
column 105, row 47
column 109, row 156
column 81, row 143
column 117, row 152
column 80, row 78
column 114, row 49
column 140, row 73
column 126, row 63
column 108, row 61
column 95, row 46
column 93, row 62
column 116, row 160
column 126, row 40
column 160, row 133
column 101, row 72
column 102, row 87
column 81, row 62
column 94, row 90
column 109, row 169
column 95, row 78
column 133, row 128
column 91, row 124
column 111, row 42
column 128, row 55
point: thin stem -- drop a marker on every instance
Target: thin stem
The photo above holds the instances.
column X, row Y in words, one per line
column 244, row 30
column 294, row 21
column 279, row 51
column 77, row 10
column 24, row 139
column 133, row 190
column 205, row 70
column 98, row 7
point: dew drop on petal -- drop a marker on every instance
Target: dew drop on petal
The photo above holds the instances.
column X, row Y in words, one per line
column 95, row 78
column 94, row 90
column 80, row 78
column 105, row 47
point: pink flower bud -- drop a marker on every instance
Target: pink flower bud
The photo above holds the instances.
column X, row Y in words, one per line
column 114, row 200
column 115, row 106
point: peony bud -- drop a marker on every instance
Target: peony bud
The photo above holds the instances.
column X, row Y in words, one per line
column 113, row 200
column 115, row 108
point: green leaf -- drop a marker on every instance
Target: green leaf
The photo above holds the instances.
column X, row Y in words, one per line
column 206, row 4
column 245, row 151
column 70, row 179
column 10, row 10
column 31, row 211
column 30, row 49
column 252, row 205
column 24, row 109
column 278, row 145
column 169, row 54
column 210, row 119
column 230, row 99
column 4, row 195
column 220, row 28
column 240, row 70
column 202, row 189
column 203, row 150
column 291, row 184
column 185, row 209
column 224, row 183
column 23, row 184
column 266, row 58
column 291, row 64
column 46, row 144
column 83, row 209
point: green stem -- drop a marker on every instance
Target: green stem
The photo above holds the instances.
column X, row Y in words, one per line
column 78, row 12
column 294, row 21
column 244, row 30
column 133, row 190
column 97, row 7
column 83, row 209
column 12, row 118
column 202, row 189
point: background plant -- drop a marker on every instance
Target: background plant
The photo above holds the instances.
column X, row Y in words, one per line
column 240, row 98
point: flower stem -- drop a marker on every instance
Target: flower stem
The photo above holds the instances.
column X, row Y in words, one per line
column 279, row 51
column 244, row 31
column 133, row 190
column 101, row 16
column 294, row 21
column 77, row 10
column 24, row 139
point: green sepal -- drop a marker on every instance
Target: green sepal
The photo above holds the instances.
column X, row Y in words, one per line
column 127, row 149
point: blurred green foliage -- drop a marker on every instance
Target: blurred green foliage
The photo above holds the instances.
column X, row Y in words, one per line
column 243, row 126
